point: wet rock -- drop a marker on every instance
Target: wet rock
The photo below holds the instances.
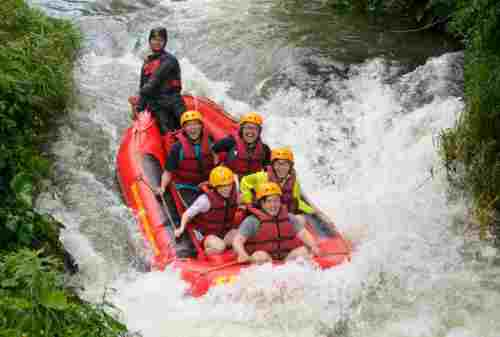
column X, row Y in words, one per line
column 440, row 77
column 488, row 252
column 316, row 77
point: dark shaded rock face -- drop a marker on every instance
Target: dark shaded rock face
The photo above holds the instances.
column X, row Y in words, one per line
column 317, row 77
column 444, row 82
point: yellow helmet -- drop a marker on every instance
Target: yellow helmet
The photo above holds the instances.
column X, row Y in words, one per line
column 191, row 115
column 220, row 176
column 251, row 117
column 283, row 153
column 267, row 189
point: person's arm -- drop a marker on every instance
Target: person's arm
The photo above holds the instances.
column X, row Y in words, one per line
column 200, row 205
column 303, row 234
column 321, row 216
column 171, row 165
column 248, row 184
column 166, row 177
column 158, row 78
column 297, row 194
column 267, row 155
column 309, row 241
column 239, row 247
column 248, row 228
column 141, row 80
column 216, row 158
column 141, row 101
column 237, row 187
column 224, row 145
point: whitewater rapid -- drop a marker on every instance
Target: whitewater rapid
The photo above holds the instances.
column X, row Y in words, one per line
column 366, row 153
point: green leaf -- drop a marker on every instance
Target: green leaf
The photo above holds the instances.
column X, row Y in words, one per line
column 9, row 283
column 11, row 223
column 54, row 300
column 25, row 234
column 22, row 185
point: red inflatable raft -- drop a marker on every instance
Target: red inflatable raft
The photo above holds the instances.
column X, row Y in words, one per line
column 140, row 160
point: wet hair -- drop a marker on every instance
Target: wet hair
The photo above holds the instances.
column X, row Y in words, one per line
column 159, row 31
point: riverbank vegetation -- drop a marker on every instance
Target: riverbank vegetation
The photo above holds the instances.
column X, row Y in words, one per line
column 36, row 61
column 471, row 150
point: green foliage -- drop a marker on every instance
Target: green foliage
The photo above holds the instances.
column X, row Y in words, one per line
column 33, row 302
column 475, row 141
column 36, row 61
column 477, row 22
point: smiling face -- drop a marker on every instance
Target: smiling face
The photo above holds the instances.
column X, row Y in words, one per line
column 250, row 132
column 282, row 167
column 157, row 43
column 225, row 190
column 193, row 129
column 271, row 204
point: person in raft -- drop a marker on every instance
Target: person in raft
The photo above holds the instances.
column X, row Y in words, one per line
column 270, row 232
column 245, row 151
column 282, row 172
column 214, row 211
column 160, row 84
column 189, row 160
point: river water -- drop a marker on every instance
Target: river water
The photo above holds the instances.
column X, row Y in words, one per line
column 362, row 107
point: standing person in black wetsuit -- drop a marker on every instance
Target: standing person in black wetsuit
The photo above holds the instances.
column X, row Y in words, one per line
column 160, row 86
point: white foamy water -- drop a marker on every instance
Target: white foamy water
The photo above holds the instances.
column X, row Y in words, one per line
column 368, row 159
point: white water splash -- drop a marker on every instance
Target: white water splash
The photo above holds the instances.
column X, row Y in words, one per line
column 369, row 160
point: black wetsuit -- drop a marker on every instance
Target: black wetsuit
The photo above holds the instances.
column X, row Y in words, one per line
column 160, row 90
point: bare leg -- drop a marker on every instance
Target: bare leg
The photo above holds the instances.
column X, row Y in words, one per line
column 261, row 257
column 214, row 245
column 229, row 237
column 299, row 251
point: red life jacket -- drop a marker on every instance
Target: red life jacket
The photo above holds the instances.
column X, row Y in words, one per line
column 286, row 189
column 276, row 235
column 220, row 218
column 150, row 68
column 246, row 163
column 192, row 170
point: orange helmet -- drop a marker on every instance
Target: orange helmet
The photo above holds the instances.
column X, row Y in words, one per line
column 251, row 117
column 267, row 189
column 283, row 153
column 221, row 176
column 191, row 115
